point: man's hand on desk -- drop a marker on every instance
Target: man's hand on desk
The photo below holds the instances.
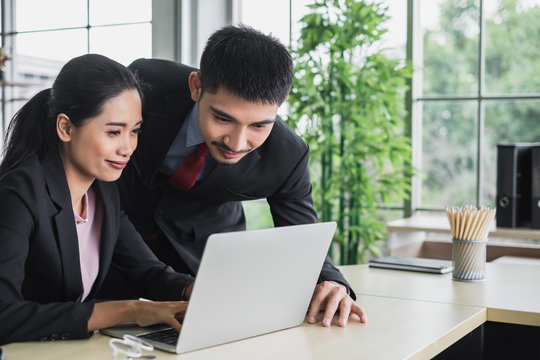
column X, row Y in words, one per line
column 332, row 297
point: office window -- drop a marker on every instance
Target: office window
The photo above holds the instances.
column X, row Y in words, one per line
column 281, row 18
column 39, row 37
column 33, row 15
column 268, row 16
column 52, row 29
column 480, row 85
column 476, row 84
column 449, row 143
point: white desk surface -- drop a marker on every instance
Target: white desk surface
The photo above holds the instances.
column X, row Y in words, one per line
column 396, row 329
column 510, row 292
column 410, row 316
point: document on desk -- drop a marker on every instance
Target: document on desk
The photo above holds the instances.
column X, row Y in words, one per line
column 435, row 266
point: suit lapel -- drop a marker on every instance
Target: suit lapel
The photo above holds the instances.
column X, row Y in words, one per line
column 68, row 244
column 159, row 131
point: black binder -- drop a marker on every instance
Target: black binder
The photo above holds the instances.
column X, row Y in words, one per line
column 535, row 187
column 514, row 184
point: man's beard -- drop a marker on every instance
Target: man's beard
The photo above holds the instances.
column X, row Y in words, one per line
column 226, row 148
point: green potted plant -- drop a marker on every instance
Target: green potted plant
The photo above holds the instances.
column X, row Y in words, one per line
column 347, row 102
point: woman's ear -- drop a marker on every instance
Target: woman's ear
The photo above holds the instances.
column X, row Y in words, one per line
column 63, row 127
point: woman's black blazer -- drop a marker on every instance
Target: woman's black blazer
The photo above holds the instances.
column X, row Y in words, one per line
column 40, row 278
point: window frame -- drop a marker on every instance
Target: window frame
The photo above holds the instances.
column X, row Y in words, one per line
column 415, row 99
column 8, row 33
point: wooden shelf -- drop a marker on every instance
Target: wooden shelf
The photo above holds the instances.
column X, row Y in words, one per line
column 439, row 224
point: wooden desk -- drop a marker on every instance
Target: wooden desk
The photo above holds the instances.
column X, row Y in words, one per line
column 396, row 329
column 410, row 316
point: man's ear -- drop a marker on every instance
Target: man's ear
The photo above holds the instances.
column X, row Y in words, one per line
column 195, row 85
column 64, row 127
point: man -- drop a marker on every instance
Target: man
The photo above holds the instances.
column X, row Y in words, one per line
column 211, row 139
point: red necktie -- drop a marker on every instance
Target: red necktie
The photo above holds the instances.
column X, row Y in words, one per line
column 185, row 176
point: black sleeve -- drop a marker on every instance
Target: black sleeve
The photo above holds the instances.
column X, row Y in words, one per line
column 20, row 319
column 151, row 278
column 292, row 204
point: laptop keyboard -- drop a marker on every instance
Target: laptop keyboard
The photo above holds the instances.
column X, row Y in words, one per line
column 166, row 336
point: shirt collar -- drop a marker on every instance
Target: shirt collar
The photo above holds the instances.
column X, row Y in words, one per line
column 83, row 217
column 194, row 136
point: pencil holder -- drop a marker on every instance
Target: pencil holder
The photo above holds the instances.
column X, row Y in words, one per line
column 470, row 228
column 468, row 260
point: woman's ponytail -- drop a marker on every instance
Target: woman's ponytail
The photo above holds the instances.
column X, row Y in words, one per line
column 31, row 131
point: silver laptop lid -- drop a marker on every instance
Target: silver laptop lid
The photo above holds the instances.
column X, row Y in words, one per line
column 254, row 282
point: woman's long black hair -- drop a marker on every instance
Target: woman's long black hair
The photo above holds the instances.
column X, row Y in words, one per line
column 80, row 90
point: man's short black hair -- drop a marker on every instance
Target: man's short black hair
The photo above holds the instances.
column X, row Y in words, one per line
column 247, row 63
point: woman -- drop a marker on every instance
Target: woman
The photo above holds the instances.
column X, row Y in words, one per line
column 61, row 227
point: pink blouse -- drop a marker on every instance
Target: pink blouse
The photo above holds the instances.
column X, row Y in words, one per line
column 89, row 234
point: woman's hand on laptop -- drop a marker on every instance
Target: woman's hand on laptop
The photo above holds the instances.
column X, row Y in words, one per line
column 144, row 313
column 331, row 297
column 159, row 312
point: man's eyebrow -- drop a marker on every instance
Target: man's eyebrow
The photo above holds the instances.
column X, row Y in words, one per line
column 229, row 117
column 112, row 123
column 264, row 122
column 221, row 113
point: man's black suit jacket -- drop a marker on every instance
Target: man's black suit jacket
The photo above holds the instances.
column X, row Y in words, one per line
column 276, row 171
column 40, row 274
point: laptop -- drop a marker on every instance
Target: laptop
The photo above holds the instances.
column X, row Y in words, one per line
column 249, row 283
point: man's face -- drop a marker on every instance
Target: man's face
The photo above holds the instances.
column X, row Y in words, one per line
column 232, row 126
